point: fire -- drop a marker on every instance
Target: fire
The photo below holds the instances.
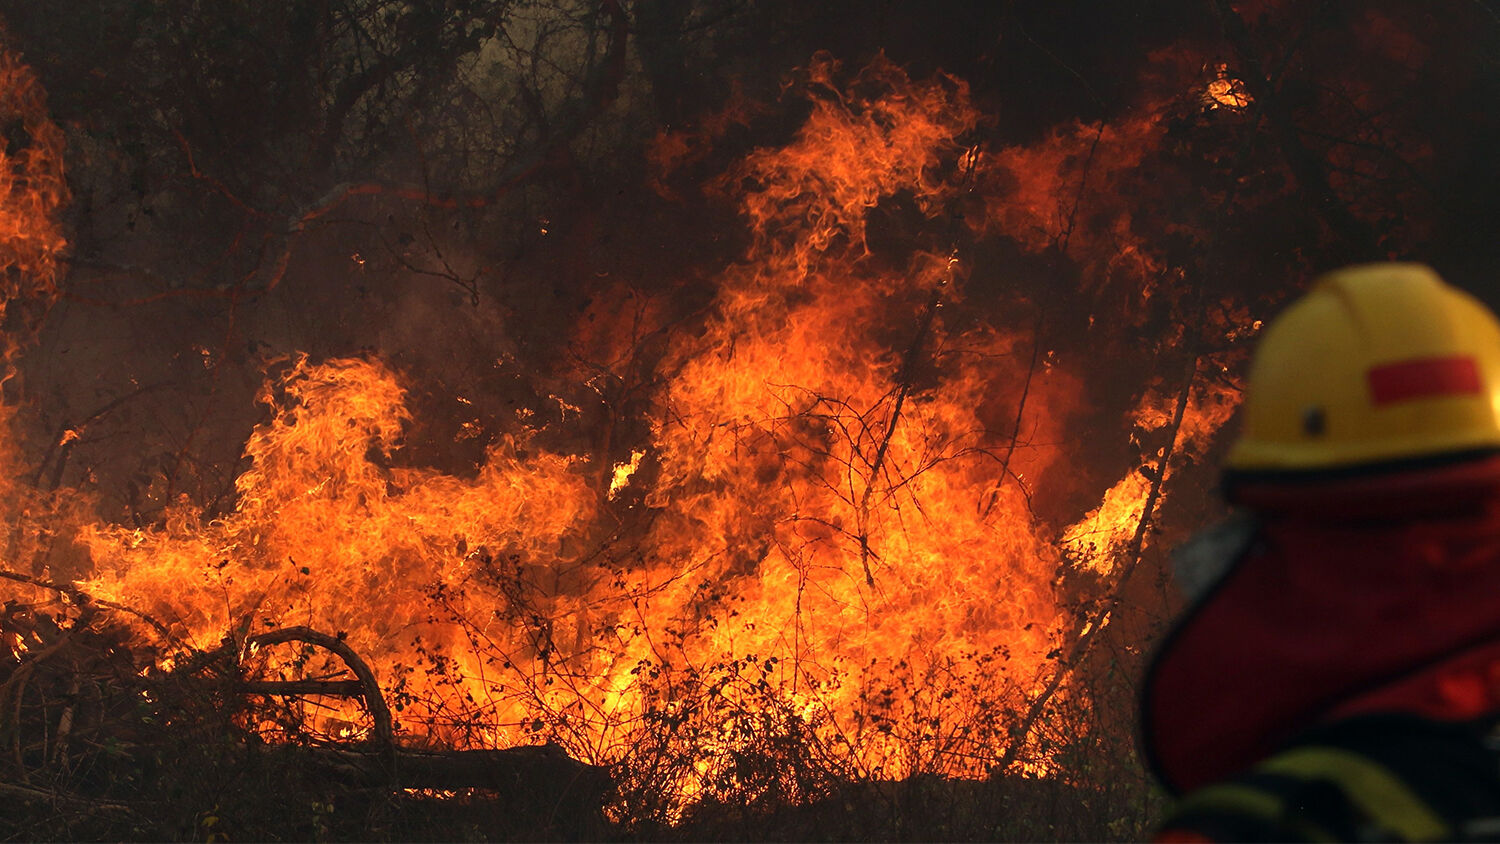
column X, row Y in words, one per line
column 812, row 510
column 802, row 466
column 33, row 192
column 824, row 529
column 622, row 472
column 1103, row 539
column 326, row 534
column 1099, row 540
column 1225, row 91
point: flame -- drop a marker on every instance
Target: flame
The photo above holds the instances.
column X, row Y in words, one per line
column 33, row 193
column 1099, row 541
column 1103, row 539
column 833, row 536
column 849, row 522
column 326, row 534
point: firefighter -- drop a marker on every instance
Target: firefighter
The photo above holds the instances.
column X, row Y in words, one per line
column 1337, row 675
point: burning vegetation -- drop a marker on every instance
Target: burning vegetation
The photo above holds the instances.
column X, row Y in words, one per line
column 486, row 420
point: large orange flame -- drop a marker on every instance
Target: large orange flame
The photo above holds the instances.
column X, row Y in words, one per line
column 827, row 527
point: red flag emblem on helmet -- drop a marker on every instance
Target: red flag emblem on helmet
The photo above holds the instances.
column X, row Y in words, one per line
column 1422, row 379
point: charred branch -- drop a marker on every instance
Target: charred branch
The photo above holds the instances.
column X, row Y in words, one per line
column 1094, row 622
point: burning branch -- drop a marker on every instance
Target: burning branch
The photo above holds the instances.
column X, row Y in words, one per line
column 83, row 599
column 1096, row 621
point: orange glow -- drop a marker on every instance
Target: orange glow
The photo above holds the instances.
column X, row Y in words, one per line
column 33, row 191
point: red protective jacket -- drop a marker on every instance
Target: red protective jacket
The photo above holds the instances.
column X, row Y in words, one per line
column 1359, row 595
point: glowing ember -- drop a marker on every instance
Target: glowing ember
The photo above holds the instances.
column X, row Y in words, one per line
column 1225, row 91
column 623, row 471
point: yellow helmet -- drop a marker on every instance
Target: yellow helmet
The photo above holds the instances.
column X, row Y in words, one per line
column 1376, row 364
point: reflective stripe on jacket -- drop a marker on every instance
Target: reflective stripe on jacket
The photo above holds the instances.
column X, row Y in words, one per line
column 1370, row 778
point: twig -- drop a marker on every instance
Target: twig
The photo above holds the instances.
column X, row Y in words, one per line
column 26, row 794
column 218, row 186
column 1015, row 434
column 1083, row 181
column 65, row 443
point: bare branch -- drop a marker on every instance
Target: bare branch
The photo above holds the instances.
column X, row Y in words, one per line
column 84, row 599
